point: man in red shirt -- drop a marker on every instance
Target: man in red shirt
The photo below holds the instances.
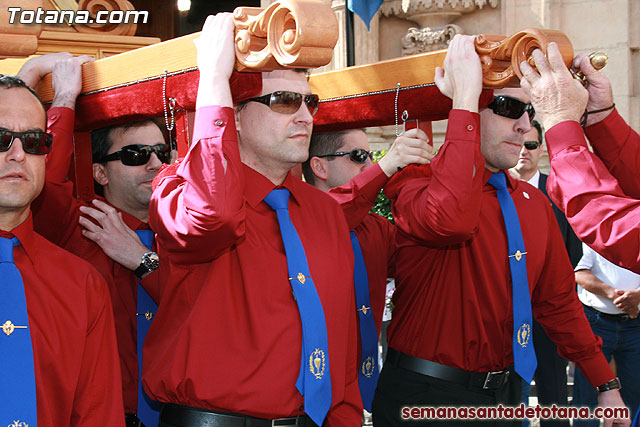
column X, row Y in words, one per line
column 70, row 321
column 452, row 340
column 340, row 164
column 225, row 346
column 599, row 191
column 103, row 232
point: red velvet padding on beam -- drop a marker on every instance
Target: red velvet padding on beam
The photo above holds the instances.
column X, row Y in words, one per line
column 424, row 104
column 144, row 100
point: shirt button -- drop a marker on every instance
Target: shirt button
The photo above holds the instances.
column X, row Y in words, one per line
column 219, row 122
column 469, row 128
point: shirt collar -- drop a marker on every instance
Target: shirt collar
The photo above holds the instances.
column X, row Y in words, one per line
column 535, row 179
column 257, row 186
column 511, row 181
column 24, row 232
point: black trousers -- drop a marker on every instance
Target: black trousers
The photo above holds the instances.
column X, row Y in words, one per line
column 551, row 375
column 398, row 388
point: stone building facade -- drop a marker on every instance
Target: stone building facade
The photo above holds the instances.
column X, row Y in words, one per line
column 404, row 27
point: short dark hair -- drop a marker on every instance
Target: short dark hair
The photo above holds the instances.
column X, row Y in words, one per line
column 537, row 125
column 102, row 139
column 322, row 143
column 7, row 81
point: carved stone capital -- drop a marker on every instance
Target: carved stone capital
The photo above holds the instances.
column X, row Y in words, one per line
column 432, row 12
column 427, row 39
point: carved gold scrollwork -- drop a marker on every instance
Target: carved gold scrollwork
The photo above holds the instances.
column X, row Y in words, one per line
column 501, row 56
column 95, row 6
column 287, row 34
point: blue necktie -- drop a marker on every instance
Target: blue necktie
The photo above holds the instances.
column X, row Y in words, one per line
column 524, row 356
column 368, row 372
column 18, row 385
column 148, row 410
column 314, row 381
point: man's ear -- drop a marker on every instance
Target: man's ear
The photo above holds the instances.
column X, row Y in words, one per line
column 319, row 167
column 100, row 174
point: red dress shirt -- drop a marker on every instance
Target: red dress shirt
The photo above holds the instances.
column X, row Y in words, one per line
column 74, row 346
column 56, row 213
column 376, row 234
column 452, row 303
column 600, row 193
column 227, row 335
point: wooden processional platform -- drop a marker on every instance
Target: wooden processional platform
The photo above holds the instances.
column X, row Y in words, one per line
column 161, row 80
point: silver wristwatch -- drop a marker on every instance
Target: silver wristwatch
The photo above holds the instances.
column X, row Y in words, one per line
column 150, row 262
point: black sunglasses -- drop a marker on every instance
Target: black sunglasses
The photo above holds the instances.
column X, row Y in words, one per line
column 288, row 102
column 33, row 141
column 511, row 108
column 139, row 154
column 357, row 155
column 532, row 145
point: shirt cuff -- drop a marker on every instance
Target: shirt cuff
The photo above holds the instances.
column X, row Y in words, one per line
column 610, row 125
column 608, row 136
column 371, row 181
column 467, row 126
column 564, row 135
column 62, row 118
column 596, row 370
column 214, row 122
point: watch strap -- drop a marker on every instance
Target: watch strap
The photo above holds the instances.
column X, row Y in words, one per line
column 614, row 384
column 146, row 266
column 141, row 271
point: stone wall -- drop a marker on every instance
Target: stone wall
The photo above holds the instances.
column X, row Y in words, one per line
column 609, row 25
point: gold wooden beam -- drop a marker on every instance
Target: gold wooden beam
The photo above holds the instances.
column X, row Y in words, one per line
column 384, row 75
column 500, row 56
column 139, row 64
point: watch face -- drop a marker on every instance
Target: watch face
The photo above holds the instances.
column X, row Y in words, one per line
column 151, row 261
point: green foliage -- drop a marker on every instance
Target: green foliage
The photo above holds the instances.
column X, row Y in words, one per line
column 382, row 206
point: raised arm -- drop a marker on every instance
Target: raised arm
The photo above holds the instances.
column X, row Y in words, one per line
column 599, row 211
column 357, row 197
column 57, row 199
column 197, row 207
column 618, row 146
column 611, row 137
column 441, row 204
column 67, row 83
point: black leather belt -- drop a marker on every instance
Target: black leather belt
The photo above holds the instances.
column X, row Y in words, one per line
column 483, row 380
column 622, row 317
column 186, row 416
column 131, row 420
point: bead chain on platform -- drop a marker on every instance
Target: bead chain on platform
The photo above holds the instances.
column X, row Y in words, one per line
column 172, row 102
